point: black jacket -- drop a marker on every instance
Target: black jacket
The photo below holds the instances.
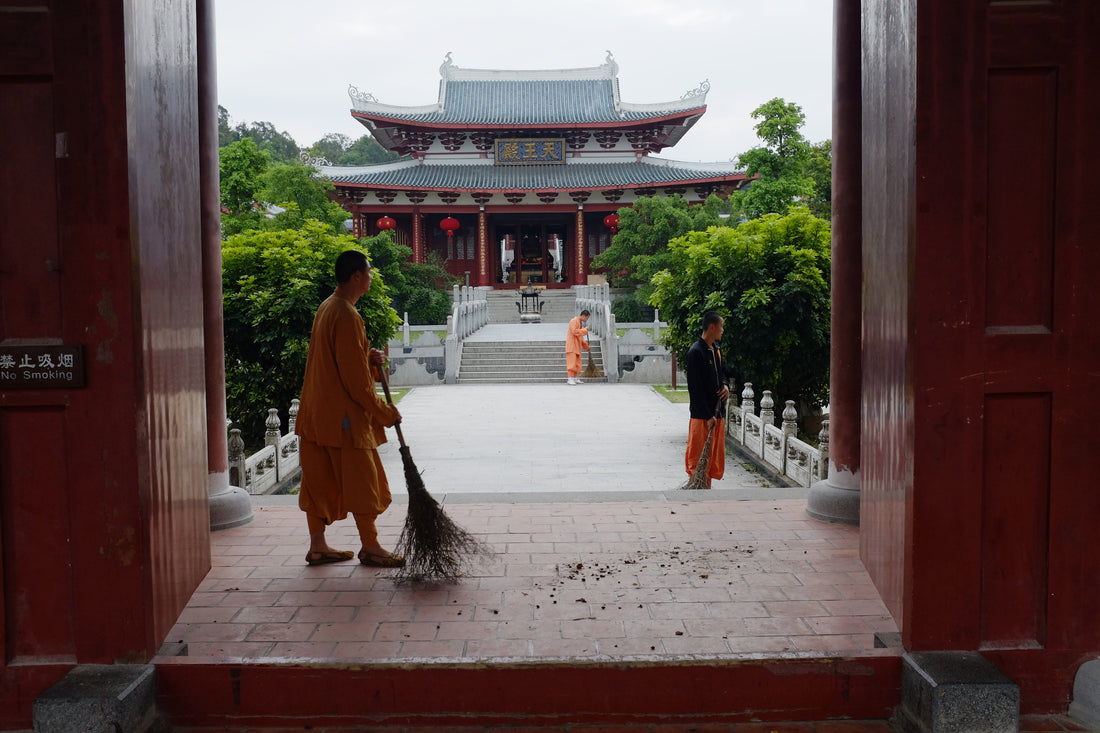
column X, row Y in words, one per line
column 705, row 377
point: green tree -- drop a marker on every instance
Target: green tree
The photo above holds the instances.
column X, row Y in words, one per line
column 279, row 145
column 365, row 151
column 331, row 147
column 769, row 278
column 295, row 188
column 226, row 134
column 778, row 163
column 818, row 167
column 640, row 247
column 241, row 168
column 272, row 283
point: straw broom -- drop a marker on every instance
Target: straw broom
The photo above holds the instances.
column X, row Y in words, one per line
column 591, row 371
column 698, row 479
column 434, row 546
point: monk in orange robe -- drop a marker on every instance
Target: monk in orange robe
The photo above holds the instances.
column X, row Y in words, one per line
column 708, row 390
column 340, row 423
column 574, row 344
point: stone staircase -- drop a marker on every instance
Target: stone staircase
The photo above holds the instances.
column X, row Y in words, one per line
column 519, row 362
column 557, row 306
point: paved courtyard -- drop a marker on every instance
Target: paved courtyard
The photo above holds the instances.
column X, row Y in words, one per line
column 649, row 578
column 536, row 439
column 595, row 555
column 595, row 552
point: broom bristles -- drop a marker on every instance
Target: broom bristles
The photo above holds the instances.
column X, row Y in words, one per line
column 698, row 479
column 592, row 371
column 434, row 546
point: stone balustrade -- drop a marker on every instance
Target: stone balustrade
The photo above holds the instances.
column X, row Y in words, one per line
column 596, row 299
column 271, row 467
column 469, row 312
column 778, row 447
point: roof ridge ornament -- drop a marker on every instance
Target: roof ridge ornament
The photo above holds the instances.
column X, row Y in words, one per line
column 358, row 96
column 446, row 65
column 698, row 91
column 311, row 161
column 610, row 61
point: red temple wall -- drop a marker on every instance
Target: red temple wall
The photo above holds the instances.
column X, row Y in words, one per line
column 104, row 511
column 979, row 329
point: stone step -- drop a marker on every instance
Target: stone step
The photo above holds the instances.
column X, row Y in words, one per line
column 517, row 362
column 502, row 360
column 520, row 345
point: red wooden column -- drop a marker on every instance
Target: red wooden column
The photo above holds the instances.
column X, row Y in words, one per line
column 104, row 503
column 836, row 499
column 417, row 235
column 580, row 269
column 979, row 507
column 483, row 276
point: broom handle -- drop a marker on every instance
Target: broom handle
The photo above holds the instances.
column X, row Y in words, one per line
column 386, row 388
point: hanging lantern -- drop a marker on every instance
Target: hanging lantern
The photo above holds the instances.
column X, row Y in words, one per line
column 611, row 221
column 386, row 223
column 449, row 225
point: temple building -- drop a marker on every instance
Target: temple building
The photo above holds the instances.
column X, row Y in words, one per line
column 509, row 170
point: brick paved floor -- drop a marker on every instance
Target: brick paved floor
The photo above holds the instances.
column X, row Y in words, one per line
column 656, row 579
column 650, row 578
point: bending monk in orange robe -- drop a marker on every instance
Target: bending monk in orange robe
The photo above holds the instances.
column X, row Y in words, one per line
column 574, row 344
column 340, row 422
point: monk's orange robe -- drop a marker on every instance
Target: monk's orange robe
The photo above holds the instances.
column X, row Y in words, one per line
column 341, row 419
column 574, row 344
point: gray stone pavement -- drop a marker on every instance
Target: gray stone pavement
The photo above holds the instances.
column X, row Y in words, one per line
column 539, row 442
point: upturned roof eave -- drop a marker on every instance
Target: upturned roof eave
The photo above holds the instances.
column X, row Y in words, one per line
column 737, row 178
column 382, row 121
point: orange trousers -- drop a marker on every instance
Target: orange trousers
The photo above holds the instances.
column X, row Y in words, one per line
column 336, row 481
column 697, row 437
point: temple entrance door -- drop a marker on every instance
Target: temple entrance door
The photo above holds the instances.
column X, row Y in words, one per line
column 535, row 251
column 531, row 255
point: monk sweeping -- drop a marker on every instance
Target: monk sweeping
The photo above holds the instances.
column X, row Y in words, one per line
column 574, row 344
column 708, row 390
column 341, row 421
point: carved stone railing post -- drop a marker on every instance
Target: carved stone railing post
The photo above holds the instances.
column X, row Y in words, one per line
column 405, row 331
column 236, row 458
column 451, row 352
column 271, row 435
column 748, row 404
column 293, row 421
column 823, row 446
column 767, row 408
column 790, row 420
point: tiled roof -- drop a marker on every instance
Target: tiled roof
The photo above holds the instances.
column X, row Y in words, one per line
column 553, row 97
column 480, row 177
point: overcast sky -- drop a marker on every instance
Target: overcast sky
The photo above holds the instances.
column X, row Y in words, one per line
column 290, row 62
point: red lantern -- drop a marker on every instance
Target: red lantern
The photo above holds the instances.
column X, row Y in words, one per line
column 612, row 222
column 449, row 225
column 386, row 223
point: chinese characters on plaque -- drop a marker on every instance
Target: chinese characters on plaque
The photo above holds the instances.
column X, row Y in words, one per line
column 41, row 367
column 530, row 151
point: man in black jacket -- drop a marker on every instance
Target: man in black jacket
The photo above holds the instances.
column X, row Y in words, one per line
column 708, row 388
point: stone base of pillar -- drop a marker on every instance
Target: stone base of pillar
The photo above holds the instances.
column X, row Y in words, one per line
column 836, row 499
column 101, row 697
column 955, row 692
column 1085, row 708
column 230, row 506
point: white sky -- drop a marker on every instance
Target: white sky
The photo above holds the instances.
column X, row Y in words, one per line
column 290, row 62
